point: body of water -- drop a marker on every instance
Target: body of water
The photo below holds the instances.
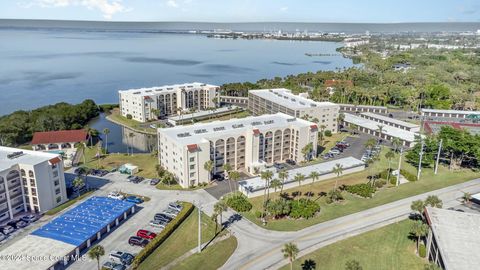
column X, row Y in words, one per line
column 40, row 67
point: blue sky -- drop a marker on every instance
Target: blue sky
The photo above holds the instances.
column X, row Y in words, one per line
column 371, row 11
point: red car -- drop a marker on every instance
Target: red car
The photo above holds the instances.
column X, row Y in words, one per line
column 146, row 234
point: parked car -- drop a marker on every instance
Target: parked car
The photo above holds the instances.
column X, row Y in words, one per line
column 21, row 224
column 171, row 212
column 158, row 223
column 160, row 216
column 146, row 234
column 30, row 218
column 131, row 177
column 154, row 181
column 121, row 257
column 279, row 166
column 175, row 206
column 8, row 229
column 291, row 162
column 334, row 151
column 116, row 196
column 13, row 223
column 113, row 266
column 134, row 199
column 137, row 241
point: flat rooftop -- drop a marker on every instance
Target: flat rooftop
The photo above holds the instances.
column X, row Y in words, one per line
column 458, row 237
column 35, row 253
column 391, row 120
column 82, row 222
column 363, row 106
column 322, row 168
column 27, row 157
column 402, row 134
column 162, row 89
column 285, row 98
column 194, row 133
column 202, row 113
column 450, row 111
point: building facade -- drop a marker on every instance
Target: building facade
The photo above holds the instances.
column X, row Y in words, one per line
column 450, row 115
column 282, row 100
column 147, row 104
column 363, row 108
column 389, row 121
column 30, row 182
column 247, row 144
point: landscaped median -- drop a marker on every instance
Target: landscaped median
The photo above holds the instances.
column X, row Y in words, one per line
column 163, row 235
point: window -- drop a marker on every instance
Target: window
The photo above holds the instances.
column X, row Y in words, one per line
column 35, row 200
column 57, row 191
column 56, row 182
column 192, row 174
column 192, row 159
column 59, row 199
column 30, row 174
column 32, row 182
column 55, row 173
column 192, row 167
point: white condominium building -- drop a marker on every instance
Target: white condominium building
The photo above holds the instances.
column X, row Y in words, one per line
column 246, row 144
column 146, row 104
column 30, row 182
column 282, row 100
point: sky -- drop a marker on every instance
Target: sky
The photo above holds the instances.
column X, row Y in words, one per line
column 366, row 11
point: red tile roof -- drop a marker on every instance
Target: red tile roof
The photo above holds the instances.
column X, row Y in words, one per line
column 331, row 83
column 62, row 136
column 313, row 126
column 55, row 160
column 192, row 147
column 256, row 131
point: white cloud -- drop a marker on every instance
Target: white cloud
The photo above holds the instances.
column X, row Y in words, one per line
column 107, row 7
column 284, row 9
column 172, row 3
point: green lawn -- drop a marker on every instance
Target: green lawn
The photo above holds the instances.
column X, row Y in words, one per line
column 145, row 162
column 133, row 124
column 181, row 241
column 354, row 204
column 61, row 207
column 387, row 248
column 213, row 257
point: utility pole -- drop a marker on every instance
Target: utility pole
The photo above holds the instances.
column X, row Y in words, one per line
column 399, row 166
column 420, row 160
column 199, row 228
column 438, row 155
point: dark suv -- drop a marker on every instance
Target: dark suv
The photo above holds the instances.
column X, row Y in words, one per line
column 137, row 241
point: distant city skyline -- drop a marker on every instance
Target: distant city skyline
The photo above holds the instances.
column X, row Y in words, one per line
column 349, row 11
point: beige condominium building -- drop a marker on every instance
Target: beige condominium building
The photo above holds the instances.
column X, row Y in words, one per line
column 29, row 182
column 282, row 100
column 146, row 104
column 246, row 144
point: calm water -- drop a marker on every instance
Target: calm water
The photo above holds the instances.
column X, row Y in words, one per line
column 40, row 67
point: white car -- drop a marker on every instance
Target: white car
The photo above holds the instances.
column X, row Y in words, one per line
column 8, row 229
column 335, row 151
column 116, row 196
column 158, row 223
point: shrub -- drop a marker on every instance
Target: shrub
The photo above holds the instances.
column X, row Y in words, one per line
column 384, row 174
column 364, row 190
column 334, row 195
column 279, row 207
column 422, row 251
column 238, row 202
column 163, row 235
column 258, row 214
column 129, row 116
column 328, row 133
column 380, row 183
column 304, row 208
column 410, row 177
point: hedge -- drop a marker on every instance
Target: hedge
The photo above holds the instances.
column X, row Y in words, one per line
column 363, row 190
column 163, row 235
column 238, row 202
column 410, row 177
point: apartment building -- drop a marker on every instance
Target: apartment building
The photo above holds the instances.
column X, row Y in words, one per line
column 282, row 100
column 30, row 181
column 247, row 144
column 146, row 104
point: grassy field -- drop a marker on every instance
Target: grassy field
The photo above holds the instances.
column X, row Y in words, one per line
column 181, row 241
column 115, row 116
column 354, row 204
column 61, row 207
column 213, row 257
column 392, row 250
column 145, row 162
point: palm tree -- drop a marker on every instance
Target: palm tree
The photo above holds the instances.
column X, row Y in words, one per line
column 81, row 146
column 389, row 155
column 370, row 143
column 208, row 166
column 95, row 253
column 266, row 176
column 314, row 175
column 219, row 208
column 283, row 174
column 299, row 177
column 234, row 176
column 106, row 131
column 418, row 207
column 215, row 219
column 321, row 134
column 467, row 197
column 290, row 252
column 91, row 132
column 419, row 230
column 380, row 130
column 78, row 183
column 396, row 143
column 276, row 183
column 433, row 201
column 340, row 119
column 83, row 171
column 338, row 170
